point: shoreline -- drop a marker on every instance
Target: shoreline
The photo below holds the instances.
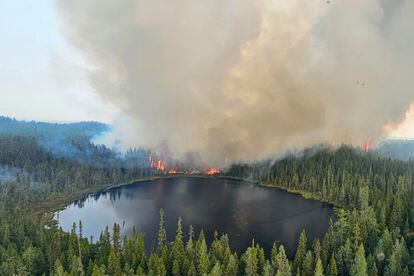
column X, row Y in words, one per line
column 53, row 205
column 59, row 203
column 304, row 194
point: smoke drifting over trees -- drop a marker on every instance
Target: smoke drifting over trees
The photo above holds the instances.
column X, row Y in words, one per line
column 244, row 79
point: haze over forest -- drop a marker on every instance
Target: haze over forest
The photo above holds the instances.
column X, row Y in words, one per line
column 230, row 81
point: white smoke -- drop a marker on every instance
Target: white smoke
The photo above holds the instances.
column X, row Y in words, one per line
column 244, row 79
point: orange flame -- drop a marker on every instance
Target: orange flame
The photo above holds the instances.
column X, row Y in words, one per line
column 172, row 171
column 159, row 165
column 367, row 146
column 213, row 171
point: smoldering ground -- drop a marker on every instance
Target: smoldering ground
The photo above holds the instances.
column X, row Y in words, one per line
column 244, row 79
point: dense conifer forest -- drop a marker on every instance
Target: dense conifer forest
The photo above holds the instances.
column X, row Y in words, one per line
column 375, row 228
column 372, row 234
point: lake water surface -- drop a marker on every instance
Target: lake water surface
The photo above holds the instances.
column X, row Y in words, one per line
column 241, row 209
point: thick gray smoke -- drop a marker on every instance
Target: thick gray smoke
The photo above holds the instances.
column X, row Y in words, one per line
column 242, row 79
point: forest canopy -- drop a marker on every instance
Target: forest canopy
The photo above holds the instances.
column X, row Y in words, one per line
column 372, row 235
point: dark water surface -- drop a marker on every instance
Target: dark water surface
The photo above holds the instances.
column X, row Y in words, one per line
column 240, row 209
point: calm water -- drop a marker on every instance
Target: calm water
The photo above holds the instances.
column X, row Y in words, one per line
column 240, row 209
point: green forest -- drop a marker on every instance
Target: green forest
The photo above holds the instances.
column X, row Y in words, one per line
column 373, row 232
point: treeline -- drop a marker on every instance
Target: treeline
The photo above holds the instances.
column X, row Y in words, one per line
column 40, row 174
column 377, row 194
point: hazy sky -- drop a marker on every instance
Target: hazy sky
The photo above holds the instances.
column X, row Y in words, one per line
column 42, row 78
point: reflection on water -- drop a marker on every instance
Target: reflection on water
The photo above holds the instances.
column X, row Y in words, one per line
column 240, row 209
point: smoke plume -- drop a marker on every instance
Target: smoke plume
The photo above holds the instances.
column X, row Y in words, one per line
column 242, row 79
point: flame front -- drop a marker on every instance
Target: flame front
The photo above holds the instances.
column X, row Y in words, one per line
column 367, row 146
column 213, row 171
column 159, row 165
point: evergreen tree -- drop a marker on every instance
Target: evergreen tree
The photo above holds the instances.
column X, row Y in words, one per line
column 328, row 244
column 58, row 269
column 332, row 270
column 398, row 258
column 318, row 268
column 162, row 234
column 139, row 271
column 160, row 267
column 268, row 270
column 372, row 266
column 300, row 252
column 232, row 266
column 273, row 257
column 203, row 261
column 359, row 266
column 283, row 265
column 192, row 271
column 363, row 197
column 190, row 245
column 98, row 270
column 396, row 216
column 116, row 238
column 178, row 250
column 307, row 265
column 216, row 271
column 316, row 247
column 345, row 257
column 114, row 267
column 251, row 261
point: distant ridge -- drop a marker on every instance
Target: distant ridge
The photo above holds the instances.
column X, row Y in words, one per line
column 63, row 139
column 38, row 129
column 397, row 148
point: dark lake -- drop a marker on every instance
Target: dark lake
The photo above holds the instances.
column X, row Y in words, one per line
column 241, row 209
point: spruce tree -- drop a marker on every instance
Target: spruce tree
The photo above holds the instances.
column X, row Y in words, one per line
column 396, row 216
column 328, row 244
column 273, row 257
column 98, row 270
column 178, row 250
column 58, row 269
column 332, row 270
column 116, row 238
column 203, row 261
column 114, row 267
column 307, row 265
column 316, row 247
column 216, row 271
column 268, row 270
column 397, row 259
column 251, row 261
column 283, row 265
column 300, row 252
column 359, row 266
column 318, row 268
column 139, row 271
column 162, row 234
column 232, row 266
